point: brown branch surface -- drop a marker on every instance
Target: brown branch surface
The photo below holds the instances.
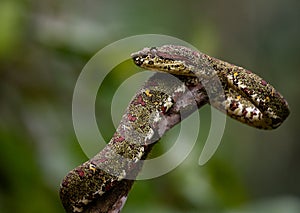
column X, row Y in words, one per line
column 102, row 183
column 184, row 105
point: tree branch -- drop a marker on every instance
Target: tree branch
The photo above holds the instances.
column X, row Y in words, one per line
column 114, row 201
column 90, row 188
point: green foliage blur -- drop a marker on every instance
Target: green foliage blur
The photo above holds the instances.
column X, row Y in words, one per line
column 45, row 44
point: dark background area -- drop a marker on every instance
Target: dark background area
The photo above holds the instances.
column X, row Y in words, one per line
column 45, row 44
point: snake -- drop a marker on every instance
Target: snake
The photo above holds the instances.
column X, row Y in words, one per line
column 246, row 97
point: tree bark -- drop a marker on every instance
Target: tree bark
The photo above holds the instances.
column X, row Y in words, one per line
column 183, row 105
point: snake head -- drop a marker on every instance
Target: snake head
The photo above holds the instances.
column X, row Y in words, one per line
column 166, row 59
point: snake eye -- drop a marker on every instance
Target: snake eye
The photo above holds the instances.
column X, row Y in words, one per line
column 150, row 62
column 276, row 122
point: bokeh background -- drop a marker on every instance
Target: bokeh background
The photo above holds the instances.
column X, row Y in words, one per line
column 45, row 44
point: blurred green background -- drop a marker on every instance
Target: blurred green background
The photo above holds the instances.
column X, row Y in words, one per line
column 45, row 44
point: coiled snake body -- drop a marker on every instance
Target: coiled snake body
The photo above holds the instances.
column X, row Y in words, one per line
column 248, row 98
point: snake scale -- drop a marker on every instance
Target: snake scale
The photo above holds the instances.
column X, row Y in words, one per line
column 247, row 98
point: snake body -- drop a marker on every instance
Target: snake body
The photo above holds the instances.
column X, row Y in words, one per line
column 248, row 98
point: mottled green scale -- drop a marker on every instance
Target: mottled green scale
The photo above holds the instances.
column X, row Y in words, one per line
column 248, row 98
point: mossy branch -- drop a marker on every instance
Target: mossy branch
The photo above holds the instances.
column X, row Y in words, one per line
column 114, row 200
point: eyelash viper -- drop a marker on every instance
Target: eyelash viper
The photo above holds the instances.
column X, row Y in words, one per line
column 248, row 98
